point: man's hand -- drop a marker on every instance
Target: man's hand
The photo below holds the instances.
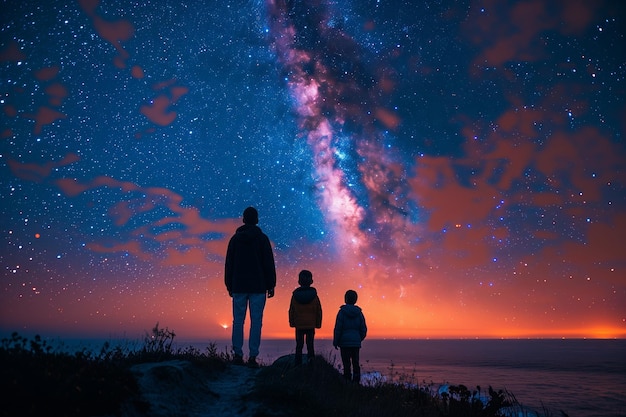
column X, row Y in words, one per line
column 270, row 293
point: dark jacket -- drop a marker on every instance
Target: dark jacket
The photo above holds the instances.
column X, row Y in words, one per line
column 350, row 327
column 249, row 266
column 305, row 309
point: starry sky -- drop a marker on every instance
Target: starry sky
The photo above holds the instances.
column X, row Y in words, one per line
column 461, row 165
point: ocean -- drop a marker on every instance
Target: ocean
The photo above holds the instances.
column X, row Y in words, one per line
column 581, row 377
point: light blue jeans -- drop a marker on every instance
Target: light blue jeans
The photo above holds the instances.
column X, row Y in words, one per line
column 256, row 303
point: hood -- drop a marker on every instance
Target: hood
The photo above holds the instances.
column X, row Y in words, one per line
column 351, row 310
column 248, row 232
column 304, row 295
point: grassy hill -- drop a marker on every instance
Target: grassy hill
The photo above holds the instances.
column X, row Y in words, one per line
column 39, row 380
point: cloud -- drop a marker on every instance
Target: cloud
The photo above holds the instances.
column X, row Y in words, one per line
column 158, row 111
column 513, row 34
column 113, row 31
column 55, row 94
column 162, row 231
column 39, row 172
column 12, row 53
column 485, row 198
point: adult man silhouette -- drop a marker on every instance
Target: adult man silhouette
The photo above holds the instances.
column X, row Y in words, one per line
column 250, row 275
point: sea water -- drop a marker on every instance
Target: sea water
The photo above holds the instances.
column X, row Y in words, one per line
column 581, row 377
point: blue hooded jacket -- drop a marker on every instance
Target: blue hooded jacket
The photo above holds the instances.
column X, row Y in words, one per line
column 350, row 327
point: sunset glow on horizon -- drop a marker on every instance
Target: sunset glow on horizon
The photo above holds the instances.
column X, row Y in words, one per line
column 462, row 167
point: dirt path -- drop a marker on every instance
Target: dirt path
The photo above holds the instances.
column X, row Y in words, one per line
column 230, row 391
column 177, row 388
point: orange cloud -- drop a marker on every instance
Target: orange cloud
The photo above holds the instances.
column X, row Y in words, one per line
column 137, row 72
column 576, row 15
column 115, row 32
column 588, row 159
column 133, row 248
column 604, row 243
column 566, row 178
column 184, row 244
column 389, row 119
column 47, row 74
column 508, row 34
column 39, row 172
column 184, row 236
column 57, row 93
column 435, row 188
column 159, row 111
column 12, row 52
column 44, row 116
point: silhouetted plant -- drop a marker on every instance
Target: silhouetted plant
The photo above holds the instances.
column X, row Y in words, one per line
column 159, row 341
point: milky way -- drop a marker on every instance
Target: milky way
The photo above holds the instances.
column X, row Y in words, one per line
column 461, row 166
column 336, row 103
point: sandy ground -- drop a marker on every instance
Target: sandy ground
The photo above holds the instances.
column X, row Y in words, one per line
column 176, row 388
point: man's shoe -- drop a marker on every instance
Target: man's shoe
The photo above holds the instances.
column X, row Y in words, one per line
column 252, row 363
column 238, row 360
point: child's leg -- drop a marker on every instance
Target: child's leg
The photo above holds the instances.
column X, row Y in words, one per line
column 299, row 345
column 345, row 360
column 310, row 340
column 356, row 367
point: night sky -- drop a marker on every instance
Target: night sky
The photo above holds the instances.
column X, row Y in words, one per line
column 461, row 165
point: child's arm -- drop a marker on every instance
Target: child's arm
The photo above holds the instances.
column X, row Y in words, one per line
column 318, row 314
column 363, row 327
column 337, row 331
column 292, row 314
